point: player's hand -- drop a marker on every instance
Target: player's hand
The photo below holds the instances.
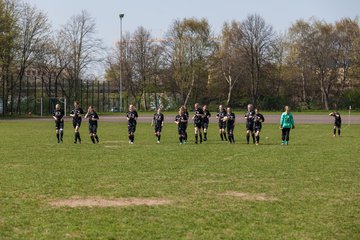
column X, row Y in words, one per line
column 280, row 127
column 293, row 126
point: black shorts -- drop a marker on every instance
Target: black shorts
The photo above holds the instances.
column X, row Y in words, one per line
column 230, row 128
column 257, row 129
column 92, row 128
column 131, row 128
column 222, row 125
column 250, row 127
column 59, row 125
column 337, row 124
column 158, row 128
column 198, row 124
column 181, row 130
column 205, row 125
column 77, row 123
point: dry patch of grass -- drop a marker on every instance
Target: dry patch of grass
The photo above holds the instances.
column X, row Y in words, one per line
column 101, row 202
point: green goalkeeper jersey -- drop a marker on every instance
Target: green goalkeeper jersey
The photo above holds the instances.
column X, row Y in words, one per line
column 287, row 120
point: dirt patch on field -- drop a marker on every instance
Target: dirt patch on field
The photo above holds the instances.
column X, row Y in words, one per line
column 250, row 196
column 101, row 202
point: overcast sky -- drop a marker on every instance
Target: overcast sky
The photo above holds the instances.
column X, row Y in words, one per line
column 157, row 15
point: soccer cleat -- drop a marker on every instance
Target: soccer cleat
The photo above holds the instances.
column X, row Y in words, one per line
column 61, row 140
column 158, row 142
column 131, row 143
column 196, row 142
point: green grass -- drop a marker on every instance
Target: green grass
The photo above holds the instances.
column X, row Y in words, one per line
column 315, row 179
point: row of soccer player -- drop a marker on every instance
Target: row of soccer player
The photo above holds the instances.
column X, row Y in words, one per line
column 201, row 116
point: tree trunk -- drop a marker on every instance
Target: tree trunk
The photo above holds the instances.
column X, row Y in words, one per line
column 190, row 89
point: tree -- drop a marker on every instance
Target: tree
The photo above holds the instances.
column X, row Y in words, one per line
column 228, row 56
column 256, row 42
column 34, row 30
column 8, row 33
column 83, row 48
column 187, row 50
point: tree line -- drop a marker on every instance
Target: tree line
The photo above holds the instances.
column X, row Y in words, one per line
column 314, row 65
column 58, row 61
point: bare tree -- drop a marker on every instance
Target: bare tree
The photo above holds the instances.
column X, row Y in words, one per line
column 34, row 30
column 83, row 48
column 257, row 40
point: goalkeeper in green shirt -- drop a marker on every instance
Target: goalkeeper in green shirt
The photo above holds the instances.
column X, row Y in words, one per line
column 286, row 123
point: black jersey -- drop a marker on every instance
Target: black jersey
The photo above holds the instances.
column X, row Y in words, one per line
column 258, row 120
column 206, row 116
column 230, row 119
column 132, row 116
column 158, row 119
column 93, row 117
column 221, row 115
column 198, row 115
column 58, row 114
column 77, row 113
column 182, row 120
column 337, row 117
column 250, row 117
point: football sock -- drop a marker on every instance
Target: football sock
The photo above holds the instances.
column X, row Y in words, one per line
column 248, row 138
column 185, row 137
column 205, row 135
column 92, row 139
column 253, row 137
column 229, row 137
column 225, row 136
column 159, row 136
column 79, row 137
column 233, row 139
column 196, row 138
column 181, row 139
column 257, row 139
column 339, row 132
column 221, row 136
column 97, row 138
column 57, row 136
column 61, row 134
column 200, row 137
column 334, row 131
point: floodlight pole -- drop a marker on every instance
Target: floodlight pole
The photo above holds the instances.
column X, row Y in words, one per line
column 121, row 15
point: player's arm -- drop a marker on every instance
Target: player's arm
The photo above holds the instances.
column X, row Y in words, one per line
column 292, row 121
column 86, row 115
column 54, row 118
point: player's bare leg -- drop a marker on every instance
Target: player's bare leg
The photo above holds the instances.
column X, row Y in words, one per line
column 257, row 135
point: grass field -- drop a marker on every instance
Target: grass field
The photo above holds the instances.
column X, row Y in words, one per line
column 307, row 190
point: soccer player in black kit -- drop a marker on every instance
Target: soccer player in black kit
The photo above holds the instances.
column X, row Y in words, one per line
column 181, row 120
column 205, row 122
column 58, row 116
column 337, row 123
column 131, row 116
column 93, row 124
column 187, row 115
column 249, row 116
column 76, row 114
column 230, row 124
column 158, row 121
column 258, row 120
column 198, row 119
column 222, row 124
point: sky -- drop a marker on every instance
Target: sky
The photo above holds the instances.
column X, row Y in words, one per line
column 158, row 15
